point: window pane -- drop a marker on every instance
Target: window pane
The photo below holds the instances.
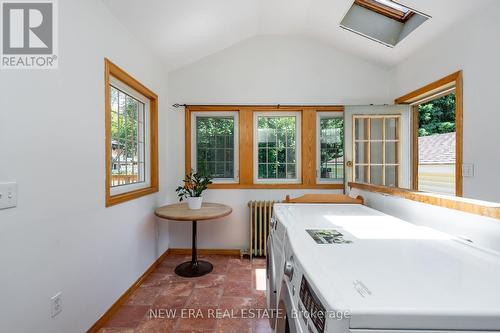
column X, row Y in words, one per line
column 262, row 170
column 271, row 171
column 281, row 170
column 262, row 155
column 215, row 146
column 391, row 178
column 361, row 152
column 127, row 139
column 290, row 155
column 390, row 153
column 376, row 128
column 361, row 124
column 376, row 153
column 271, row 155
column 361, row 174
column 229, row 155
column 277, row 135
column 391, row 129
column 376, row 175
column 290, row 170
column 331, row 148
column 282, row 156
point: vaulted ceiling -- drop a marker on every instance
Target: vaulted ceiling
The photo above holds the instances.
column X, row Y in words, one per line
column 181, row 32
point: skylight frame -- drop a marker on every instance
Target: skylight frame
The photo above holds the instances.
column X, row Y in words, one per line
column 386, row 10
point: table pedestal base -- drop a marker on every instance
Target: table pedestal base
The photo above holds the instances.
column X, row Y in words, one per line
column 194, row 269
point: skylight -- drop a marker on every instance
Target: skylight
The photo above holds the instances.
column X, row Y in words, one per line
column 383, row 21
column 387, row 8
column 393, row 5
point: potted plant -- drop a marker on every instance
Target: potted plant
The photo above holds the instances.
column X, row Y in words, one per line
column 194, row 185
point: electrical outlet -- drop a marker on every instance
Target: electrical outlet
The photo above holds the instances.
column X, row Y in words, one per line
column 56, row 304
column 8, row 195
column 467, row 170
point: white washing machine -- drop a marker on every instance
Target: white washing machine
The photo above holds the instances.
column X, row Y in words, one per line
column 287, row 319
column 349, row 268
column 274, row 264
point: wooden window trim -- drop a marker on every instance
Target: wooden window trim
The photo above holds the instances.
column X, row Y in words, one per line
column 246, row 144
column 476, row 207
column 434, row 89
column 110, row 69
column 369, row 141
column 385, row 10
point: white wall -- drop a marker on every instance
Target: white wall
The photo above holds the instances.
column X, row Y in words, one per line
column 470, row 45
column 262, row 70
column 483, row 231
column 61, row 237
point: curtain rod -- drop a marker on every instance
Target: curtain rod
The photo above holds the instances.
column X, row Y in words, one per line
column 177, row 105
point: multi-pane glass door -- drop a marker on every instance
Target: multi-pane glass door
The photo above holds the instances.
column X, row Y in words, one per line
column 376, row 149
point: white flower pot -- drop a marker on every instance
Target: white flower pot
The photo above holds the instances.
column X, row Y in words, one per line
column 194, row 202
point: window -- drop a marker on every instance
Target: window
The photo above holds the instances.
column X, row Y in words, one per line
column 128, row 139
column 215, row 145
column 437, row 145
column 131, row 137
column 263, row 146
column 277, row 147
column 376, row 149
column 437, row 135
column 330, row 147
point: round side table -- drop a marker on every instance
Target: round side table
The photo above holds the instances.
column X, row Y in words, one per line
column 181, row 212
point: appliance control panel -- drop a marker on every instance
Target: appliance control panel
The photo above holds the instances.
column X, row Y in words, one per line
column 315, row 310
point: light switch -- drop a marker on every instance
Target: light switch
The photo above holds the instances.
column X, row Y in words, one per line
column 8, row 195
column 467, row 170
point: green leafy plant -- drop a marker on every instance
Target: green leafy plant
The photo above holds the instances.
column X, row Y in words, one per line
column 194, row 185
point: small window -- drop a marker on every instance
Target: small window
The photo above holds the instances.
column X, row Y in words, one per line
column 330, row 147
column 215, row 145
column 131, row 137
column 376, row 150
column 277, row 147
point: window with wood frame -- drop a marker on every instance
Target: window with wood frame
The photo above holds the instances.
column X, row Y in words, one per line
column 376, row 149
column 131, row 137
column 437, row 120
column 277, row 147
column 274, row 146
column 214, row 145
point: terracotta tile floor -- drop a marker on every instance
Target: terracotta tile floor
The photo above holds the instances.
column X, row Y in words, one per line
column 222, row 301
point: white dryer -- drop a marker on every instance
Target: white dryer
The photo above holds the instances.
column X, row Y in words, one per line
column 349, row 268
column 287, row 319
column 274, row 265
